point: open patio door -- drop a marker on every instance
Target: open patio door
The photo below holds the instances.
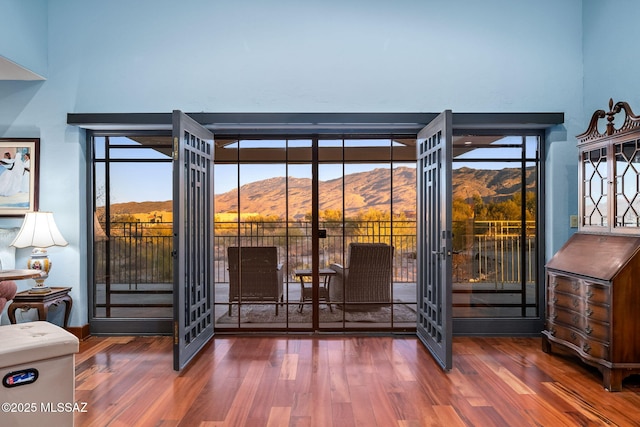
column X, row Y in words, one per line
column 193, row 292
column 434, row 251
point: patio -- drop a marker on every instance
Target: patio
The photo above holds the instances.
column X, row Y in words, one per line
column 487, row 275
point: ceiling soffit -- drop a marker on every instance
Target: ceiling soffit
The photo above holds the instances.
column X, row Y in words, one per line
column 316, row 124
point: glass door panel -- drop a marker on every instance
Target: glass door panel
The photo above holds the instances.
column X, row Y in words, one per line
column 260, row 294
column 226, row 235
column 494, row 228
column 299, row 241
column 139, row 247
column 367, row 190
column 132, row 271
column 251, row 235
column 529, row 251
column 262, row 203
column 403, row 232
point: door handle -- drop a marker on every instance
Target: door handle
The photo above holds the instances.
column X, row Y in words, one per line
column 448, row 253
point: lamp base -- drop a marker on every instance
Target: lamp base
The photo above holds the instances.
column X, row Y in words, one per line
column 40, row 290
column 39, row 261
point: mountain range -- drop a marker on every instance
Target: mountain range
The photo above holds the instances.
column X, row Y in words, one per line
column 362, row 191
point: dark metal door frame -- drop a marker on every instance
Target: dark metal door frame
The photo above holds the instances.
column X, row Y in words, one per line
column 193, row 292
column 315, row 235
column 434, row 252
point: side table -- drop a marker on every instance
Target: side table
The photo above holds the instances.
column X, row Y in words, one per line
column 41, row 301
column 323, row 290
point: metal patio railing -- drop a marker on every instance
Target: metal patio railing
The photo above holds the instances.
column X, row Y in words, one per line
column 487, row 251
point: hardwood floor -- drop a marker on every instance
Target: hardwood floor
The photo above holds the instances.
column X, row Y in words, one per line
column 343, row 381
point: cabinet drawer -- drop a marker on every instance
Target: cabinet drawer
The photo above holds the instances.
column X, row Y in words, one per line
column 600, row 313
column 592, row 292
column 568, row 301
column 564, row 284
column 588, row 327
column 586, row 345
column 597, row 312
column 598, row 294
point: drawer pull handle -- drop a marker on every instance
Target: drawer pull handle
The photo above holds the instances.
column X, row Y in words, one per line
column 588, row 312
column 589, row 293
column 574, row 335
column 575, row 286
column 576, row 319
column 588, row 330
column 554, row 300
column 586, row 348
column 576, row 303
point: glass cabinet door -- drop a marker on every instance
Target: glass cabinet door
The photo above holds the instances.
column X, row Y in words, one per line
column 594, row 188
column 610, row 172
column 607, row 209
column 627, row 185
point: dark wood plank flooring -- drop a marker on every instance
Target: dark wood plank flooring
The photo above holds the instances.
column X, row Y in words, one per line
column 343, row 381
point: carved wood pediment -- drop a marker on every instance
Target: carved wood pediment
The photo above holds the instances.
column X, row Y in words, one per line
column 630, row 124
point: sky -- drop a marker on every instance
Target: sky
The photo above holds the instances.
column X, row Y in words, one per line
column 141, row 181
column 153, row 181
column 225, row 178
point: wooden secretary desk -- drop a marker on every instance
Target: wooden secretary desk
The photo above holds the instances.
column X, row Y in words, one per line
column 593, row 281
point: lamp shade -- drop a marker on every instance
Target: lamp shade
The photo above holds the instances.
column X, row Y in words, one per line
column 39, row 230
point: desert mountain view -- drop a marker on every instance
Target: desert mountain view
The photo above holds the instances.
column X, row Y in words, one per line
column 362, row 190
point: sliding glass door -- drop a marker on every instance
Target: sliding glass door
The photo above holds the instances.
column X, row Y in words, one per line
column 132, row 288
column 312, row 200
column 496, row 251
column 293, row 193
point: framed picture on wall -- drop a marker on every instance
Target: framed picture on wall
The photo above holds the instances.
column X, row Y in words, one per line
column 19, row 175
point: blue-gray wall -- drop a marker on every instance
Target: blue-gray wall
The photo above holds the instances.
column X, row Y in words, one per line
column 308, row 56
column 23, row 34
column 611, row 34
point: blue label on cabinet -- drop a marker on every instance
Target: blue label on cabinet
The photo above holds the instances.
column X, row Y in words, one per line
column 22, row 377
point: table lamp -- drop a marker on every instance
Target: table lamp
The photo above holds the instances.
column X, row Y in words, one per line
column 39, row 231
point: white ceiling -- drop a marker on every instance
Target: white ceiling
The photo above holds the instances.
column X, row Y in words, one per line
column 9, row 70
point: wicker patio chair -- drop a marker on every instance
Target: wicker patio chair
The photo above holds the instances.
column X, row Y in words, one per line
column 367, row 279
column 255, row 275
